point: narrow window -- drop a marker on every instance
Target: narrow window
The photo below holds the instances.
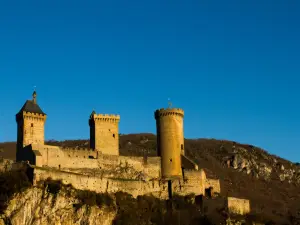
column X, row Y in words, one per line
column 31, row 129
column 181, row 147
column 170, row 160
column 113, row 135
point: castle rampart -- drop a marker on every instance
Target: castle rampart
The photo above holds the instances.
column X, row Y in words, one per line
column 155, row 187
column 102, row 185
column 75, row 159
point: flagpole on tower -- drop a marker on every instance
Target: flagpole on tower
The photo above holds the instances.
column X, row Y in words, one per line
column 169, row 103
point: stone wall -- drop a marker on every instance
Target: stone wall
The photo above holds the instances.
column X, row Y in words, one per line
column 101, row 185
column 214, row 184
column 238, row 206
column 32, row 128
column 65, row 159
column 193, row 182
column 156, row 187
column 104, row 133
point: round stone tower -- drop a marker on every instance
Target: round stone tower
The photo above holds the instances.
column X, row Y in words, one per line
column 170, row 141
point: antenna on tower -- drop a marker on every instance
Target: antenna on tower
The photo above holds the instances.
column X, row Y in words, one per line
column 169, row 103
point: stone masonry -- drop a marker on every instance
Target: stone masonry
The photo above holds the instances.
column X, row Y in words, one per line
column 104, row 133
column 238, row 206
column 102, row 169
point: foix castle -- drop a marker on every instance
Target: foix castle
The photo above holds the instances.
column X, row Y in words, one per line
column 101, row 168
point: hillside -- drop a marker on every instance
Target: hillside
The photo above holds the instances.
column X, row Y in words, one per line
column 270, row 182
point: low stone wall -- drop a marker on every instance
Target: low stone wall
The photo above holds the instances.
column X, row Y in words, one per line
column 193, row 182
column 214, row 184
column 238, row 206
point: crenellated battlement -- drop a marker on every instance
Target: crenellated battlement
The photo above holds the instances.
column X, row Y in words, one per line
column 105, row 117
column 168, row 112
column 77, row 149
column 71, row 152
column 28, row 115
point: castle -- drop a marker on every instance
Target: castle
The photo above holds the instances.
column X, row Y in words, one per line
column 101, row 168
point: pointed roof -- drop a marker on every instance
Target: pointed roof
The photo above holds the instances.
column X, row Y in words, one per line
column 32, row 106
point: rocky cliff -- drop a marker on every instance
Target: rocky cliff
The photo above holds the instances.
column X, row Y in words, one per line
column 52, row 203
column 37, row 206
column 271, row 183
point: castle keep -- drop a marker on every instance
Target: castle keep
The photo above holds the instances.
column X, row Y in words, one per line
column 101, row 168
column 170, row 141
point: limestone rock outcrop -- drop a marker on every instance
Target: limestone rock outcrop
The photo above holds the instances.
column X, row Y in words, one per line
column 36, row 206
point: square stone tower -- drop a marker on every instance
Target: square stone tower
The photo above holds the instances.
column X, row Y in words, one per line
column 104, row 133
column 31, row 125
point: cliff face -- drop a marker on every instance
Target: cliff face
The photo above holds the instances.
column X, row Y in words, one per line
column 245, row 171
column 51, row 202
column 37, row 206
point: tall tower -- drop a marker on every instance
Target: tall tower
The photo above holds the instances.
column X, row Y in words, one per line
column 170, row 141
column 104, row 133
column 31, row 123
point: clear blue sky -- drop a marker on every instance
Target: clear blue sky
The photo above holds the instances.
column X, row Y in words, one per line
column 233, row 66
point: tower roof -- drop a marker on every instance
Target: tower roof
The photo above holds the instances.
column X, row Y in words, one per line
column 32, row 106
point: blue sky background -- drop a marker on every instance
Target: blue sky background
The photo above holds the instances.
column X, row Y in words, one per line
column 233, row 66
